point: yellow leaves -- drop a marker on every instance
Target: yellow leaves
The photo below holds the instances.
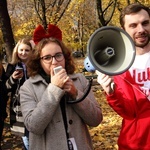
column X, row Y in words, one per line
column 24, row 30
column 105, row 135
column 98, row 138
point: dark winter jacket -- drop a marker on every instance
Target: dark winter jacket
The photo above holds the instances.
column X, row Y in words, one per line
column 3, row 96
column 11, row 85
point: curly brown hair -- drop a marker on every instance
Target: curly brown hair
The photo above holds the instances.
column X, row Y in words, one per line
column 33, row 64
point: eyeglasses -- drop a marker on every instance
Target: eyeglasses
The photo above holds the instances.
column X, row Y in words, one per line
column 48, row 58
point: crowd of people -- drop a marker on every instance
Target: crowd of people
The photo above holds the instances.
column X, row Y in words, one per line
column 40, row 94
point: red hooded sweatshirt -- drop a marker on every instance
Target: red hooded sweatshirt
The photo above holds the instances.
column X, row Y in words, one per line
column 134, row 107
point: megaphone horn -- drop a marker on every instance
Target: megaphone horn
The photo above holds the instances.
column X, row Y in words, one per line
column 110, row 50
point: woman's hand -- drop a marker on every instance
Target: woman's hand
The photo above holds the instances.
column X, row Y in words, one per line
column 70, row 88
column 60, row 78
column 17, row 74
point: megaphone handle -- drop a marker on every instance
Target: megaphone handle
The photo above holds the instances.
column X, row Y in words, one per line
column 84, row 96
column 112, row 85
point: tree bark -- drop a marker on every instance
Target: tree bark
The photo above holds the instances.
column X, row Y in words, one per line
column 5, row 26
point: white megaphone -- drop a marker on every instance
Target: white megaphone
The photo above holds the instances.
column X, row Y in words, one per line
column 110, row 50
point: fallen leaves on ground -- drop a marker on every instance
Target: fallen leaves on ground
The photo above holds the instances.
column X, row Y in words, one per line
column 106, row 134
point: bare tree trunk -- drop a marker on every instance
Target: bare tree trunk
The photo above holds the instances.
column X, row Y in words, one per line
column 5, row 26
column 109, row 10
column 50, row 11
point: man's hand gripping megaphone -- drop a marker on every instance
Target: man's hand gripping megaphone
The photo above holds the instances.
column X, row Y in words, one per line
column 106, row 82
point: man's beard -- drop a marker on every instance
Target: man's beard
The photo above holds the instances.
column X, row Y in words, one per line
column 142, row 45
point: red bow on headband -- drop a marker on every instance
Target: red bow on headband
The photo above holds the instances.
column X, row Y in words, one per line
column 52, row 31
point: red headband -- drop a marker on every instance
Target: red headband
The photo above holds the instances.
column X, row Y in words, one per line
column 52, row 31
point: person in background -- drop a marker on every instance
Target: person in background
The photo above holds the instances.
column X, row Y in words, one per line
column 3, row 100
column 52, row 122
column 16, row 73
column 130, row 97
